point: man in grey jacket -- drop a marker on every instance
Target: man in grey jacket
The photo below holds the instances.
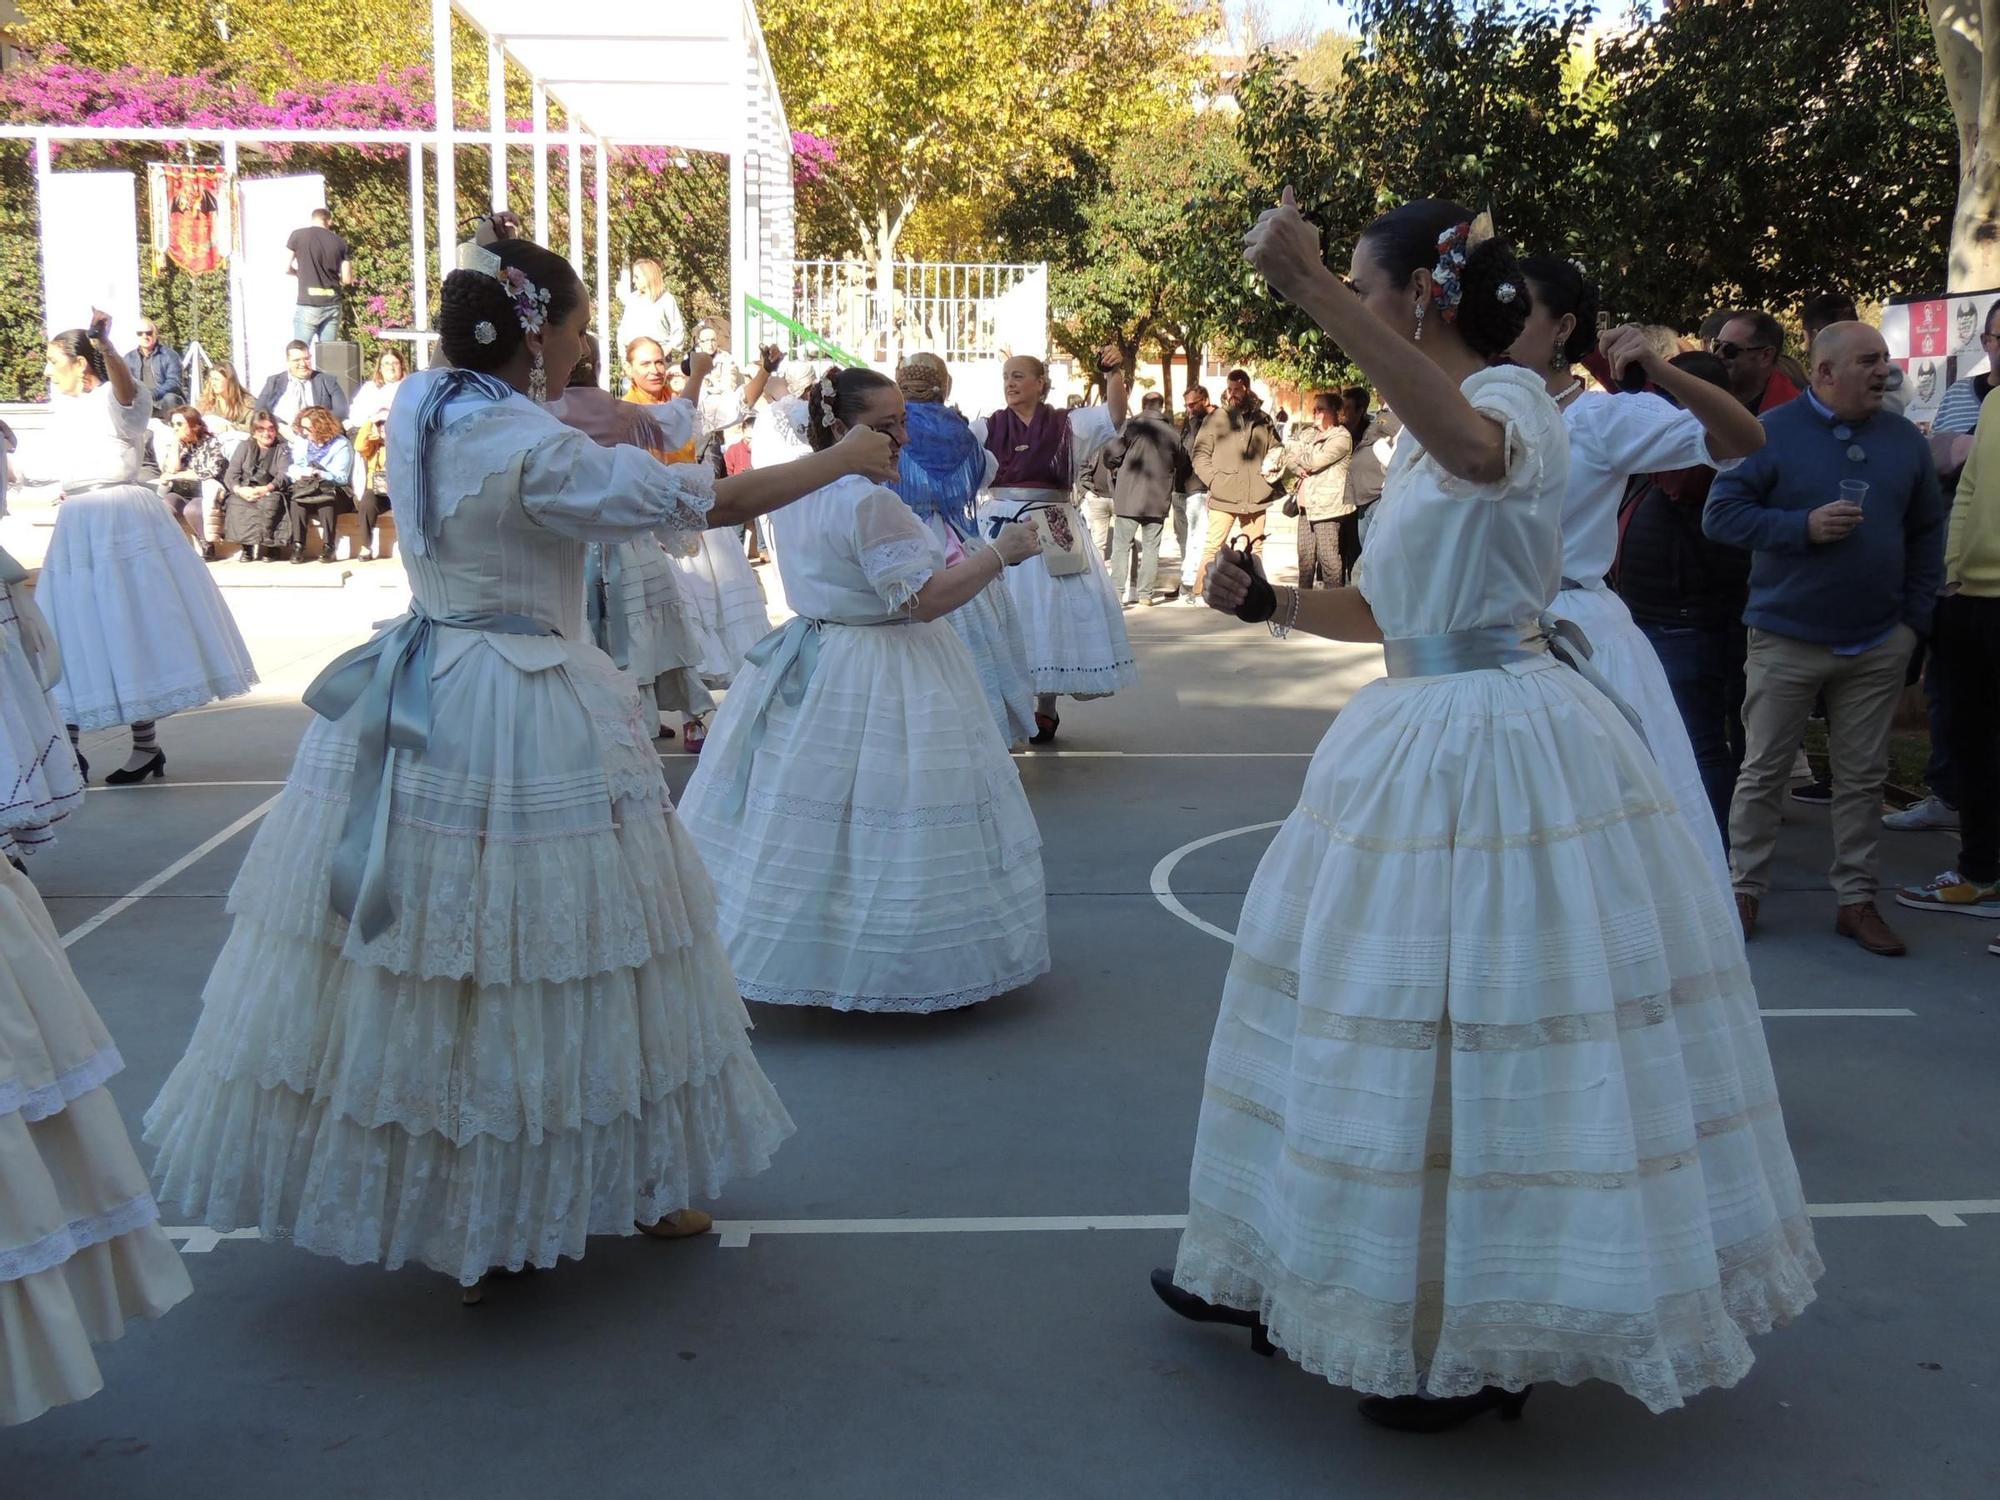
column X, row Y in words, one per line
column 1229, row 459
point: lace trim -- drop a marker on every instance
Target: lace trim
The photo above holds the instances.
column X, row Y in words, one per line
column 39, row 1103
column 1687, row 1343
column 1631, row 812
column 1475, row 1036
column 160, row 706
column 899, row 568
column 892, row 1004
column 943, row 815
column 52, row 1250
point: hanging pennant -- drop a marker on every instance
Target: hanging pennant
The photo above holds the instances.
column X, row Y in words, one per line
column 190, row 215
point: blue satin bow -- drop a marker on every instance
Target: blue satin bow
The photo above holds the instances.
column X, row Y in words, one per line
column 603, row 574
column 389, row 680
column 789, row 656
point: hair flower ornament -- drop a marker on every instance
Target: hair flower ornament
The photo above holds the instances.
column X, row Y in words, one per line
column 826, row 399
column 531, row 302
column 1506, row 291
column 485, row 332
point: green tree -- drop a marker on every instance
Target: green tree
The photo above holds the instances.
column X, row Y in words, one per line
column 1768, row 149
column 930, row 101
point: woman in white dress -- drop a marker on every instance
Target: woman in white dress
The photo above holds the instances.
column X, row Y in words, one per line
column 141, row 625
column 944, row 469
column 1488, row 1100
column 473, row 1008
column 638, row 611
column 1073, row 625
column 871, row 846
column 81, row 1250
column 1611, row 438
column 376, row 396
column 40, row 782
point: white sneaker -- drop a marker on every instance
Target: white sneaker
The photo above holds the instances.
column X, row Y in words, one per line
column 1801, row 767
column 1132, row 597
column 1933, row 814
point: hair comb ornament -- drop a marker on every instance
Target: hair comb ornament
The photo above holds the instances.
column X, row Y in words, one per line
column 473, row 256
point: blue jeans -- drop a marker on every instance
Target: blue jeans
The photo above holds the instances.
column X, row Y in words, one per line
column 316, row 325
column 1704, row 667
column 1940, row 775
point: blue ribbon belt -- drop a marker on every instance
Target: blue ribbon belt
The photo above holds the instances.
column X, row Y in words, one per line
column 1498, row 646
column 610, row 627
column 388, row 679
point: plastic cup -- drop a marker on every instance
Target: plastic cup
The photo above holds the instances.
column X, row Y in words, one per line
column 1854, row 492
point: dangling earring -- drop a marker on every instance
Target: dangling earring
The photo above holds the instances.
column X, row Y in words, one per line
column 1556, row 360
column 538, row 381
column 1422, row 308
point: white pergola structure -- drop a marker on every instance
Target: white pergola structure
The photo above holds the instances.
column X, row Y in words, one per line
column 697, row 82
column 691, row 76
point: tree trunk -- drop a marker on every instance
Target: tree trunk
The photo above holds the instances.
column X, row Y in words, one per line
column 1972, row 83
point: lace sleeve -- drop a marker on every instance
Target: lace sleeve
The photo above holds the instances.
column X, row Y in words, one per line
column 1537, row 445
column 572, row 486
column 897, row 552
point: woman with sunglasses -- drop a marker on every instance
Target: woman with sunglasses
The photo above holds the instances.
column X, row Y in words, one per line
column 1611, row 438
column 1488, row 1101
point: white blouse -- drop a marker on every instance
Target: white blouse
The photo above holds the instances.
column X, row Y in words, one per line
column 1611, row 438
column 853, row 553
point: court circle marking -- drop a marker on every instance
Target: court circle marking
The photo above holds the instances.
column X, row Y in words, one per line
column 1163, row 876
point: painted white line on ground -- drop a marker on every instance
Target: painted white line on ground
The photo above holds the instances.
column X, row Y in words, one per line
column 1163, row 875
column 736, row 1234
column 140, row 892
column 1163, row 892
column 1163, row 754
column 175, row 786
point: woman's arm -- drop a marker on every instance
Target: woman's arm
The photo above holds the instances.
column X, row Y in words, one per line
column 1467, row 443
column 1733, row 429
column 338, row 464
column 124, row 389
column 1332, row 614
column 757, row 492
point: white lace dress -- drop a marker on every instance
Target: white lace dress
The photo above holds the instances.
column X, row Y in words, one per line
column 546, row 1042
column 142, row 627
column 870, row 842
column 1488, row 1100
column 1073, row 628
column 40, row 782
column 730, row 610
column 1611, row 438
column 81, row 1250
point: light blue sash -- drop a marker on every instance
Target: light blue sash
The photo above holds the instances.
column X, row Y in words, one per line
column 388, row 680
column 1498, row 646
column 610, row 627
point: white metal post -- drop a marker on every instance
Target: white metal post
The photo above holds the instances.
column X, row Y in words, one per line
column 575, row 164
column 239, row 335
column 739, row 260
column 420, row 278
column 496, row 119
column 541, row 163
column 603, row 263
column 447, row 174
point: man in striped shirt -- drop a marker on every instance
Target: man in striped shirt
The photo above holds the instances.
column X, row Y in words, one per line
column 1959, row 411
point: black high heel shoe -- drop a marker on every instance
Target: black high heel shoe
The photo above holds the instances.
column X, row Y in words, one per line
column 1195, row 1310
column 1046, row 726
column 156, row 765
column 1440, row 1414
column 83, row 767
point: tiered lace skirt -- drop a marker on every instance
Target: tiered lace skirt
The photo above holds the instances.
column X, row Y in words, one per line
column 991, row 631
column 81, row 1250
column 723, row 588
column 1073, row 627
column 143, row 629
column 871, row 846
column 546, row 1044
column 1488, row 1100
column 1620, row 650
column 664, row 639
column 40, row 783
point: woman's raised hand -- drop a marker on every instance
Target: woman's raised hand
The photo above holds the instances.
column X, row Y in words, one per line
column 1016, row 543
column 869, row 453
column 1284, row 247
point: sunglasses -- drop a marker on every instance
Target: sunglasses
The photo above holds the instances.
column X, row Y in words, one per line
column 1723, row 349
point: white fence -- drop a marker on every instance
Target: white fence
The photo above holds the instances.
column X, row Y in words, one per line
column 961, row 311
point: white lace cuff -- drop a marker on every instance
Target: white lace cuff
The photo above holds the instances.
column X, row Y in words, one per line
column 899, row 568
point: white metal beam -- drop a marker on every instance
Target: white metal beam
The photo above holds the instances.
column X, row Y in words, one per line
column 541, row 151
column 496, row 119
column 447, row 166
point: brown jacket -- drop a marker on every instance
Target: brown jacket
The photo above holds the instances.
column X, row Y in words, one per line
column 1228, row 455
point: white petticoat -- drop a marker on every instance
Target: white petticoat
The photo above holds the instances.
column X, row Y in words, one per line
column 724, row 590
column 40, row 783
column 1620, row 650
column 992, row 636
column 885, row 857
column 662, row 626
column 81, row 1250
column 143, row 629
column 546, row 1044
column 1073, row 627
column 1488, row 1100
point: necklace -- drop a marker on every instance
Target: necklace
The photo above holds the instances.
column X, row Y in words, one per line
column 1569, row 393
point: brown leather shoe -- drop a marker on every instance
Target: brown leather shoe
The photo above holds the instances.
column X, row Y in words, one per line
column 1746, row 913
column 1862, row 922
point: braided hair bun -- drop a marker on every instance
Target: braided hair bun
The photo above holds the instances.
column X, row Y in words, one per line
column 842, row 404
column 1494, row 298
column 471, row 299
column 1560, row 288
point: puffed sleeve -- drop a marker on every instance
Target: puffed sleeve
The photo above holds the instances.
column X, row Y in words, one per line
column 897, row 551
column 1641, row 433
column 594, row 494
column 1090, row 428
column 1537, row 445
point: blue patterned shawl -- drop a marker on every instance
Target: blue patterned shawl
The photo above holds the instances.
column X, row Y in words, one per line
column 942, row 466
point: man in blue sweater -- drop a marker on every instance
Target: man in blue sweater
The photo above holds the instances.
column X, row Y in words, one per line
column 1842, row 513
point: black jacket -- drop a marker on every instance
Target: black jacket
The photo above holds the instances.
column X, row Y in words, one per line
column 323, row 389
column 1667, row 571
column 1148, row 466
